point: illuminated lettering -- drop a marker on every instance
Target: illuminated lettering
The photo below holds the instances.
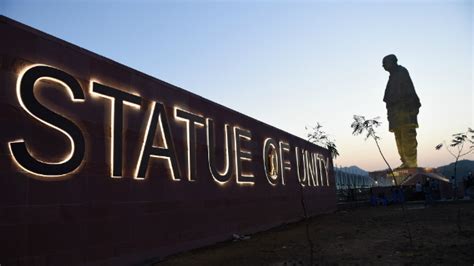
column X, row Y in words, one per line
column 242, row 155
column 25, row 93
column 192, row 121
column 284, row 164
column 300, row 165
column 311, row 168
column 324, row 168
column 157, row 117
column 271, row 171
column 317, row 162
column 118, row 98
column 220, row 177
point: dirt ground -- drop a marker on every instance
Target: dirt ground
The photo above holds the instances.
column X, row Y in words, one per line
column 442, row 235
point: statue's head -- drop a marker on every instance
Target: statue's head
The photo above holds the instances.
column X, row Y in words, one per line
column 389, row 62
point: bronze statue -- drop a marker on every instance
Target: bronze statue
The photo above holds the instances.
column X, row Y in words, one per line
column 402, row 109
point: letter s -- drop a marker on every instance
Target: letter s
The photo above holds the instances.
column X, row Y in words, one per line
column 28, row 101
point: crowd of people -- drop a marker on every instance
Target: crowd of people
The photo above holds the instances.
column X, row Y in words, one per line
column 427, row 190
column 397, row 195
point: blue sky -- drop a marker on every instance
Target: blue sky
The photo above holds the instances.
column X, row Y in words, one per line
column 289, row 63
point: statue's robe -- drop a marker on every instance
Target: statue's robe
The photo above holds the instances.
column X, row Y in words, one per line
column 401, row 100
column 403, row 105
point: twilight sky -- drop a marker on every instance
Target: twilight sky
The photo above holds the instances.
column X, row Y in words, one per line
column 289, row 63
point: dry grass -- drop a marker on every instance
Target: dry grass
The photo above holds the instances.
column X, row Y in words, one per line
column 442, row 235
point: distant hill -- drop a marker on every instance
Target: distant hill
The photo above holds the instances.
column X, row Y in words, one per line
column 354, row 170
column 463, row 169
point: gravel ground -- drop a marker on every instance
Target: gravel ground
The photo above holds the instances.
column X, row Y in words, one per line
column 441, row 235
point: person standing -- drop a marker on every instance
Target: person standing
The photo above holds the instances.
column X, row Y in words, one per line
column 454, row 186
column 418, row 190
column 428, row 193
column 403, row 106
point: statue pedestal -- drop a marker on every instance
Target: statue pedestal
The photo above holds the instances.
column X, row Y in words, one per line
column 404, row 176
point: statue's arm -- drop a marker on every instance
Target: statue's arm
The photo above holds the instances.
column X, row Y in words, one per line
column 408, row 94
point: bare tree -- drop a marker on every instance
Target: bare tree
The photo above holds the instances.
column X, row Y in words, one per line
column 360, row 125
column 458, row 143
column 317, row 136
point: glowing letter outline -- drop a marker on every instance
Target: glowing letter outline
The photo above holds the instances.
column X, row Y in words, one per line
column 242, row 155
column 118, row 98
column 221, row 177
column 191, row 120
column 157, row 117
column 284, row 164
column 268, row 144
column 25, row 93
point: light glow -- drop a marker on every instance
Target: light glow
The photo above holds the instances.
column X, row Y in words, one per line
column 271, row 178
column 326, row 167
column 112, row 120
column 285, row 164
column 301, row 176
column 71, row 141
column 311, row 166
column 239, row 157
column 188, row 136
column 165, row 144
column 227, row 153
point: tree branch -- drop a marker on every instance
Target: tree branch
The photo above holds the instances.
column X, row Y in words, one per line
column 450, row 152
column 471, row 150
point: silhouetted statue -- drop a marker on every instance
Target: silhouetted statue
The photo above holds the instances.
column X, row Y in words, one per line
column 402, row 110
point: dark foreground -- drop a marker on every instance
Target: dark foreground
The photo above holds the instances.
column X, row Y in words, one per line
column 442, row 234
